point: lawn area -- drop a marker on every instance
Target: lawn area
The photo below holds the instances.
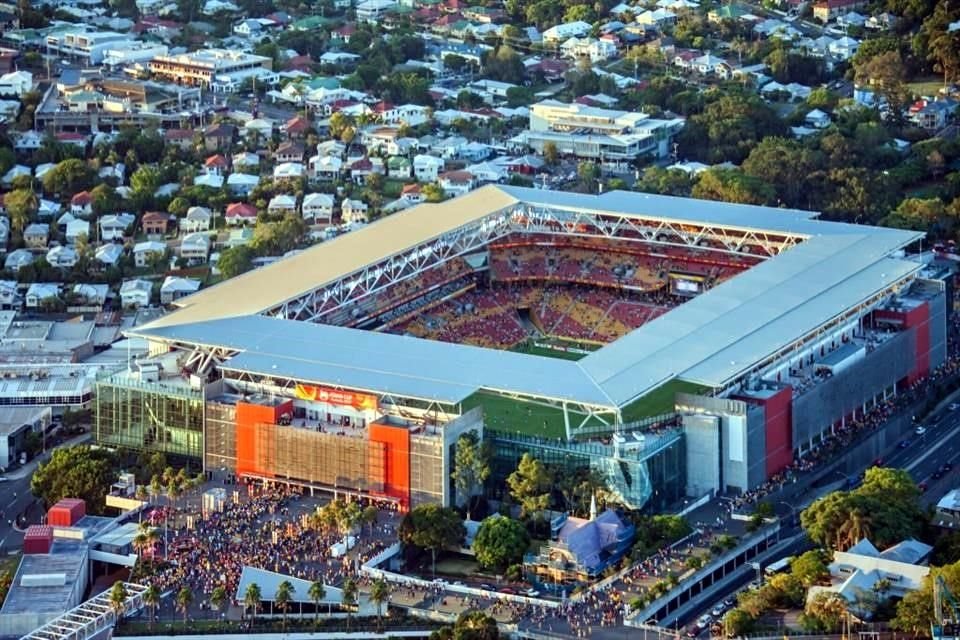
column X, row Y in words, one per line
column 457, row 566
column 525, row 418
column 659, row 401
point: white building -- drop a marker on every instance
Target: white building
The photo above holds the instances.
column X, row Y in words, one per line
column 109, row 254
column 144, row 252
column 114, row 226
column 135, row 293
column 219, row 69
column 318, row 207
column 353, row 211
column 373, row 11
column 427, row 168
column 565, row 31
column 197, row 219
column 175, row 287
column 133, row 53
column 16, row 83
column 40, row 292
column 195, row 247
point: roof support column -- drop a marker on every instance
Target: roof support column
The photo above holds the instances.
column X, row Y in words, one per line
column 566, row 420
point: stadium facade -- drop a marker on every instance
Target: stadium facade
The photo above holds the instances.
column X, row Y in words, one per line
column 789, row 327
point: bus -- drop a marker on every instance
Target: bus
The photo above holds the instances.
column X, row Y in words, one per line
column 779, row 566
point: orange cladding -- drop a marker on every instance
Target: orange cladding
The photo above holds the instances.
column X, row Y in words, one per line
column 396, row 460
column 252, row 421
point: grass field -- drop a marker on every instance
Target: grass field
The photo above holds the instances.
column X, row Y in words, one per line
column 659, row 401
column 530, row 348
column 926, row 86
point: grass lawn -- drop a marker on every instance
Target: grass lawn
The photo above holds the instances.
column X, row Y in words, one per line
column 457, row 566
column 659, row 401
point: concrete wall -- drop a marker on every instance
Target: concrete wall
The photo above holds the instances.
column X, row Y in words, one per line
column 938, row 330
column 826, row 403
column 702, row 434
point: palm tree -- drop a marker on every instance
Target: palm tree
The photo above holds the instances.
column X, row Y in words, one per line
column 251, row 599
column 218, row 598
column 140, row 542
column 151, row 600
column 369, row 516
column 184, row 600
column 349, row 598
column 379, row 593
column 118, row 601
column 316, row 593
column 282, row 599
column 858, row 526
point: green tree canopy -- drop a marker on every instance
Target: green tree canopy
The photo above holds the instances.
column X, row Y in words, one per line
column 75, row 472
column 500, row 542
column 69, row 177
column 433, row 528
column 21, row 205
column 471, row 625
column 732, row 185
column 471, row 466
column 530, row 486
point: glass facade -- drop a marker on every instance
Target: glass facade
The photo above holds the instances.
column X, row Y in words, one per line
column 426, row 470
column 140, row 415
column 220, row 443
column 651, row 478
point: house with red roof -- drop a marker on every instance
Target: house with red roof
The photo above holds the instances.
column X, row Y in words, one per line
column 215, row 165
column 296, row 127
column 240, row 213
column 155, row 223
column 81, row 204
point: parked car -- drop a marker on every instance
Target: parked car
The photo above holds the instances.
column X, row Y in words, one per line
column 920, row 430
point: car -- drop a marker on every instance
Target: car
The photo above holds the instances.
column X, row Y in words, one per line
column 705, row 620
column 946, row 466
column 718, row 610
column 938, row 473
column 953, row 406
column 922, row 486
column 693, row 631
column 904, row 444
column 439, row 581
column 729, row 602
column 531, row 593
column 756, row 584
column 920, row 430
column 509, row 591
column 488, row 587
column 458, row 584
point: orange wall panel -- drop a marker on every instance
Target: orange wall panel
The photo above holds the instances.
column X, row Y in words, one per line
column 250, row 458
column 397, row 460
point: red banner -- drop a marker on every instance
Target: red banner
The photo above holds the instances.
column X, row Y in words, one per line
column 360, row 401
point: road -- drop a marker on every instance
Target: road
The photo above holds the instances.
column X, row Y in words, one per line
column 922, row 456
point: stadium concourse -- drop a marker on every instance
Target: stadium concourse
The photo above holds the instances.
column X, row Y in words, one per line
column 702, row 347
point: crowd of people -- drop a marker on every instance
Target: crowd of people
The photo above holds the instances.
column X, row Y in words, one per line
column 262, row 531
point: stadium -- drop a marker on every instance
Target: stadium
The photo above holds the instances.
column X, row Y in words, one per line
column 676, row 346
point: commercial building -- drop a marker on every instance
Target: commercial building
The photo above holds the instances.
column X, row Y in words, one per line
column 592, row 133
column 289, row 371
column 211, row 68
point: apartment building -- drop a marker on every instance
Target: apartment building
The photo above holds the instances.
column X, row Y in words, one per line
column 211, row 68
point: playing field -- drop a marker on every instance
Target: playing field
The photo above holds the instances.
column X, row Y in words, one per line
column 531, row 348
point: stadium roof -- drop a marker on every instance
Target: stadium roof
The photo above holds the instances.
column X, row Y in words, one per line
column 711, row 340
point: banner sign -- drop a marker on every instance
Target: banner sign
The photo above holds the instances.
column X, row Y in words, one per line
column 361, row 401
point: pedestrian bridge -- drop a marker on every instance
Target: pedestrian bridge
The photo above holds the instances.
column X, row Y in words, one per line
column 91, row 618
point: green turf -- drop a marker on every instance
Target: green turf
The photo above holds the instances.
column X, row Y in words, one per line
column 547, row 353
column 659, row 401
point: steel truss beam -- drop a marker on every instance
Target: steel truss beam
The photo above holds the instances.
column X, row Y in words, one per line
column 318, row 303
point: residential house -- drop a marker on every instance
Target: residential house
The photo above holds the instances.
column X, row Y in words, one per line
column 81, row 204
column 9, row 294
column 17, row 259
column 318, row 207
column 42, row 293
column 239, row 237
column 76, row 229
column 858, row 570
column 427, row 168
column 456, row 183
column 175, row 287
column 399, row 167
column 155, row 223
column 36, row 235
column 353, row 211
column 325, row 167
column 195, row 247
column 241, row 184
column 563, row 32
column 182, row 138
column 90, row 295
column 289, row 151
column 114, row 226
column 707, row 64
column 212, row 181
column 412, row 194
column 932, row 115
column 197, row 219
column 16, row 83
column 219, row 137
column 296, row 127
column 135, row 293
column 109, row 254
column 374, row 11
column 281, row 204
column 288, row 171
column 817, row 119
column 657, row 18
column 216, row 165
column 582, row 548
column 145, row 252
column 487, row 172
column 830, row 9
column 47, row 209
column 843, row 48
column 405, row 114
column 246, row 159
column 62, row 256
column 239, row 213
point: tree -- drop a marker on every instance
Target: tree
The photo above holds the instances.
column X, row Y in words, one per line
column 732, row 185
column 783, row 164
column 550, row 153
column 500, row 542
column 178, row 206
column 504, row 64
column 379, row 594
column 251, row 600
column 737, row 622
column 826, row 610
column 151, row 600
column 75, row 472
column 68, row 177
column 145, row 180
column 218, row 598
column 809, row 568
column 316, row 593
column 728, row 128
column 348, row 597
column 282, row 599
column 433, row 528
column 21, row 205
column 471, row 625
column 183, row 602
column 433, row 192
column 530, row 486
column 588, row 173
column 118, row 600
column 885, row 74
column 104, row 199
column 471, row 467
column 236, row 260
